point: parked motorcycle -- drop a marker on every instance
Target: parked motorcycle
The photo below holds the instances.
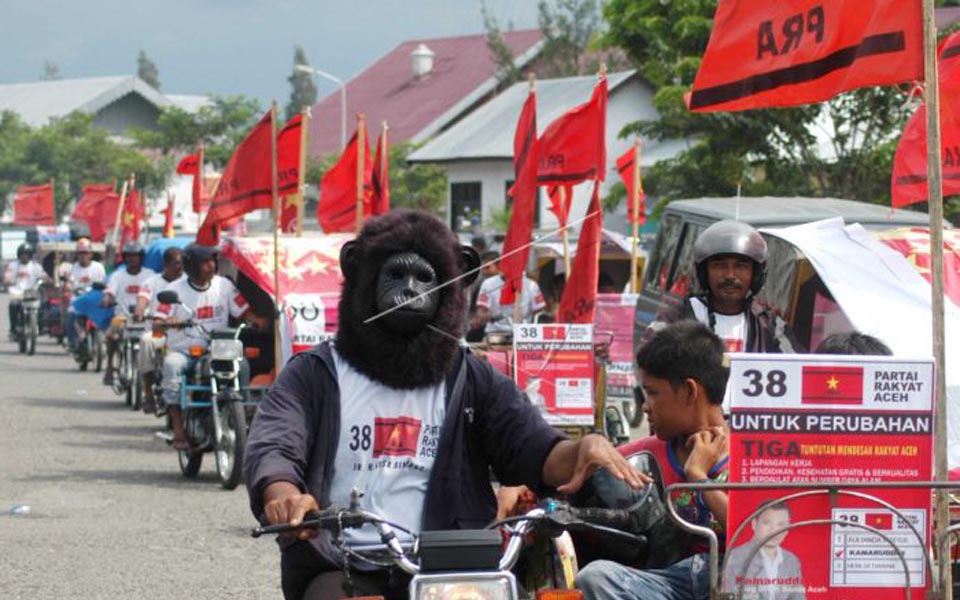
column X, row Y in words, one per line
column 212, row 402
column 26, row 328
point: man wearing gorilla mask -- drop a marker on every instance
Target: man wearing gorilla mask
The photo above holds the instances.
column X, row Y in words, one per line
column 397, row 409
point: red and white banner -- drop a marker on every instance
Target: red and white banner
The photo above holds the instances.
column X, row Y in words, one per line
column 33, row 205
column 817, row 418
column 613, row 322
column 554, row 366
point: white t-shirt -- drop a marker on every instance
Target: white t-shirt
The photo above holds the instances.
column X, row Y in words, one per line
column 387, row 447
column 84, row 277
column 125, row 287
column 211, row 307
column 501, row 316
column 732, row 329
column 153, row 286
column 23, row 276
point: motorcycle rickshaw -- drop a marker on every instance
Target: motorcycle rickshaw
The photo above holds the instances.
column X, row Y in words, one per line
column 55, row 258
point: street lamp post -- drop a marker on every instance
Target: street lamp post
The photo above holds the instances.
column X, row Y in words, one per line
column 343, row 98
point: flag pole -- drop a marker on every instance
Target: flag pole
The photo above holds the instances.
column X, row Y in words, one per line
column 361, row 153
column 277, row 349
column 302, row 171
column 635, row 207
column 935, row 202
column 115, row 236
column 385, row 158
column 564, row 237
column 56, row 231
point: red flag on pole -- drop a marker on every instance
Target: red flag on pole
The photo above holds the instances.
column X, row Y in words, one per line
column 246, row 184
column 764, row 54
column 908, row 185
column 579, row 301
column 573, row 148
column 626, row 165
column 33, row 205
column 192, row 164
column 168, row 231
column 131, row 218
column 560, row 208
column 98, row 209
column 337, row 209
column 288, row 172
column 516, row 246
column 380, row 175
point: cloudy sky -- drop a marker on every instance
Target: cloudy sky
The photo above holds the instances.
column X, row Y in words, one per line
column 227, row 46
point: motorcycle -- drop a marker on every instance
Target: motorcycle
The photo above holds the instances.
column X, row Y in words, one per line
column 53, row 314
column 127, row 380
column 212, row 401
column 26, row 328
column 90, row 347
column 467, row 564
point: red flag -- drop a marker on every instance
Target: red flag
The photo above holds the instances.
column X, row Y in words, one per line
column 97, row 207
column 168, row 219
column 516, row 246
column 560, row 208
column 579, row 301
column 380, row 176
column 288, row 171
column 192, row 164
column 908, row 184
column 764, row 53
column 626, row 166
column 131, row 218
column 573, row 147
column 831, row 385
column 395, row 437
column 33, row 205
column 246, row 184
column 879, row 520
column 337, row 209
column 189, row 165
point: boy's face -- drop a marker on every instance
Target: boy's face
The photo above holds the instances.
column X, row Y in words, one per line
column 667, row 409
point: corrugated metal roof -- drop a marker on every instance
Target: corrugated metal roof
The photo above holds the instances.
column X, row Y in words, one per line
column 188, row 103
column 766, row 211
column 416, row 107
column 38, row 102
column 488, row 131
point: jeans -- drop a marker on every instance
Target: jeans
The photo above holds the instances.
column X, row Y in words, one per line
column 688, row 579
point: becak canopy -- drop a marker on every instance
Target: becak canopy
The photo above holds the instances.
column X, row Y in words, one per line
column 914, row 244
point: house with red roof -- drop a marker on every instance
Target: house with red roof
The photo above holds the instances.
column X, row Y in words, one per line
column 420, row 88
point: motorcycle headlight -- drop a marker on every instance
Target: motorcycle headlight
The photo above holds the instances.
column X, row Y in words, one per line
column 464, row 587
column 226, row 349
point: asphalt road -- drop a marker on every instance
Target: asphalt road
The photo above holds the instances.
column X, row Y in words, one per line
column 110, row 514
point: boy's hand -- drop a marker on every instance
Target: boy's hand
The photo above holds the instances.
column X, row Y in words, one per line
column 707, row 448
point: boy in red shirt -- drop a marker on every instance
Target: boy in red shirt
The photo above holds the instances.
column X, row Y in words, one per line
column 683, row 376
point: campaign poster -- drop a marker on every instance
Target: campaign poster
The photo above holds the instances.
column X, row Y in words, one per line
column 554, row 365
column 810, row 419
column 613, row 324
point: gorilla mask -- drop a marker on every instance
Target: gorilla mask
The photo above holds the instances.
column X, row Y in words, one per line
column 398, row 263
column 403, row 288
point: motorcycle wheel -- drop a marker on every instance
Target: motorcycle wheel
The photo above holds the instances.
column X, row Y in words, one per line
column 33, row 333
column 136, row 390
column 119, row 385
column 190, row 462
column 229, row 448
column 98, row 351
column 22, row 343
column 633, row 412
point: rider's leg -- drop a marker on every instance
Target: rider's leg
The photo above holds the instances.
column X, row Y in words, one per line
column 146, row 361
column 174, row 365
column 688, row 579
column 14, row 310
column 113, row 345
column 72, row 333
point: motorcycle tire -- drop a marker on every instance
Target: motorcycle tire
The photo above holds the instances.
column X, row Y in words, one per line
column 229, row 448
column 83, row 364
column 119, row 385
column 34, row 328
column 98, row 351
column 22, row 344
column 633, row 412
column 190, row 461
column 134, row 381
column 136, row 389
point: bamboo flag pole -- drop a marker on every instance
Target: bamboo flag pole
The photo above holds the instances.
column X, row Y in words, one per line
column 127, row 185
column 361, row 154
column 635, row 207
column 277, row 346
column 56, row 245
column 564, row 237
column 302, row 170
column 935, row 202
column 384, row 155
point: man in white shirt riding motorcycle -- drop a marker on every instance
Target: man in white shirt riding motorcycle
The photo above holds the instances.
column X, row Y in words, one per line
column 123, row 289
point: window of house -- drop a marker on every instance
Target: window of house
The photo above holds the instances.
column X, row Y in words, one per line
column 508, row 202
column 465, row 205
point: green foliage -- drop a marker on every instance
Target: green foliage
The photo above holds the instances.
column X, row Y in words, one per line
column 147, row 70
column 304, row 92
column 568, row 28
column 71, row 152
column 221, row 126
column 507, row 71
column 500, row 219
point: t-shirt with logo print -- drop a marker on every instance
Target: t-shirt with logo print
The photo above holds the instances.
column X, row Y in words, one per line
column 23, row 276
column 211, row 307
column 153, row 286
column 84, row 277
column 732, row 329
column 125, row 287
column 387, row 447
column 501, row 316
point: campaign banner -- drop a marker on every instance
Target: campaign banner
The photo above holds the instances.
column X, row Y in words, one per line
column 818, row 418
column 553, row 364
column 613, row 322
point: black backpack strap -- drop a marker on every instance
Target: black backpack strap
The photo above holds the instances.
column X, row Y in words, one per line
column 455, row 383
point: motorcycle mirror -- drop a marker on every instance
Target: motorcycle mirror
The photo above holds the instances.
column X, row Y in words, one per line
column 99, row 286
column 168, row 297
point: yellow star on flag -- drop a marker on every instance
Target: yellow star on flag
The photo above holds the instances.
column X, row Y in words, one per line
column 833, row 383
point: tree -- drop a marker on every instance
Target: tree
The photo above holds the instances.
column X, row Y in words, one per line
column 304, row 92
column 772, row 151
column 147, row 70
column 51, row 71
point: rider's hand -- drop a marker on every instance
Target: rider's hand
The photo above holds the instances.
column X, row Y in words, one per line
column 595, row 452
column 707, row 448
column 283, row 503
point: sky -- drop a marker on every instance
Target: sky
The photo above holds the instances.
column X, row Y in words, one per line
column 228, row 47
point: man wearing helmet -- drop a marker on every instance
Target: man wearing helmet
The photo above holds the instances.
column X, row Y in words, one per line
column 209, row 300
column 123, row 289
column 731, row 259
column 21, row 275
column 84, row 273
column 150, row 346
